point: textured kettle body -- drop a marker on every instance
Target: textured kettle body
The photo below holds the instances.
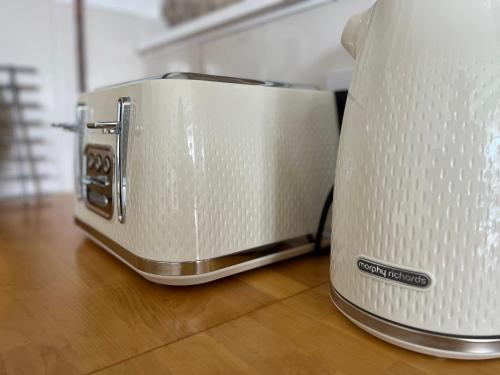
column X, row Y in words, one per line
column 417, row 188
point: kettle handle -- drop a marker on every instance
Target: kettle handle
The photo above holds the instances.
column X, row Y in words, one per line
column 352, row 36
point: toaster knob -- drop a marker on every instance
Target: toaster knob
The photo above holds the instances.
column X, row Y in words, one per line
column 106, row 165
column 98, row 163
column 90, row 161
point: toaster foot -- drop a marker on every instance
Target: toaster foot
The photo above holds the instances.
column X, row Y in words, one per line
column 226, row 271
column 432, row 343
column 206, row 270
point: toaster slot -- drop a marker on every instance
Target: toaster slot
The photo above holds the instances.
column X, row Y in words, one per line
column 98, row 179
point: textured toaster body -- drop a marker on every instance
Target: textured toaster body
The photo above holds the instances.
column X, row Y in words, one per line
column 418, row 174
column 216, row 168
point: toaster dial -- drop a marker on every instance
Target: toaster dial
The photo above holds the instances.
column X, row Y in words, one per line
column 98, row 179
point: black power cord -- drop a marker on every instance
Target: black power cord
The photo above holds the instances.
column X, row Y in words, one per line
column 322, row 221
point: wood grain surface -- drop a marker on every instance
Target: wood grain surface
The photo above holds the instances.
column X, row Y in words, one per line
column 67, row 307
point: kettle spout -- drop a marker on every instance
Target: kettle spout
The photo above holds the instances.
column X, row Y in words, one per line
column 352, row 36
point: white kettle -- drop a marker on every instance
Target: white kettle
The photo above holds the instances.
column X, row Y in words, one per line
column 416, row 215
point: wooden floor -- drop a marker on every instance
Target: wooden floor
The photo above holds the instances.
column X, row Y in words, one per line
column 67, row 307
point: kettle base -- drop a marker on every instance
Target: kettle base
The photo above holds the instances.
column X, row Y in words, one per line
column 417, row 340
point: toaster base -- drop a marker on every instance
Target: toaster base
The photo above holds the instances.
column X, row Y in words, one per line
column 199, row 272
column 431, row 343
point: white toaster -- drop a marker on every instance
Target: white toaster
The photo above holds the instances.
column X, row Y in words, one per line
column 187, row 178
column 416, row 218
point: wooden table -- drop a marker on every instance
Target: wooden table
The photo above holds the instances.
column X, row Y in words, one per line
column 68, row 307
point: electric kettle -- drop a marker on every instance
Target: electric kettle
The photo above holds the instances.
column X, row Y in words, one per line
column 416, row 214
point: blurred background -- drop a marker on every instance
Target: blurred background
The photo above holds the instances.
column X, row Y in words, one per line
column 51, row 50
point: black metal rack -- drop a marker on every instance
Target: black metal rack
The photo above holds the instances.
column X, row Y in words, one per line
column 16, row 143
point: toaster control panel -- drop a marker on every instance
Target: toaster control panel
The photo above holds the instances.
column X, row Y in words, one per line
column 98, row 179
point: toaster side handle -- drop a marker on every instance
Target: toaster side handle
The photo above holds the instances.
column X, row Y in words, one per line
column 121, row 152
column 120, row 128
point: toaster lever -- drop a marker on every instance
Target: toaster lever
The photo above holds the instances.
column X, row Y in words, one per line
column 111, row 127
column 69, row 127
column 102, row 181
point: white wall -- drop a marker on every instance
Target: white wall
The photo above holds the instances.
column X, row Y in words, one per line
column 40, row 33
column 27, row 38
column 112, row 40
column 300, row 48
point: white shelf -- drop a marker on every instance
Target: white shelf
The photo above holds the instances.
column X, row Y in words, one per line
column 237, row 17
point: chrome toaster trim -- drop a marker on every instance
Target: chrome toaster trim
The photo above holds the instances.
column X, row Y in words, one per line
column 241, row 81
column 82, row 114
column 200, row 267
column 482, row 347
column 99, row 183
column 120, row 128
column 216, row 78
